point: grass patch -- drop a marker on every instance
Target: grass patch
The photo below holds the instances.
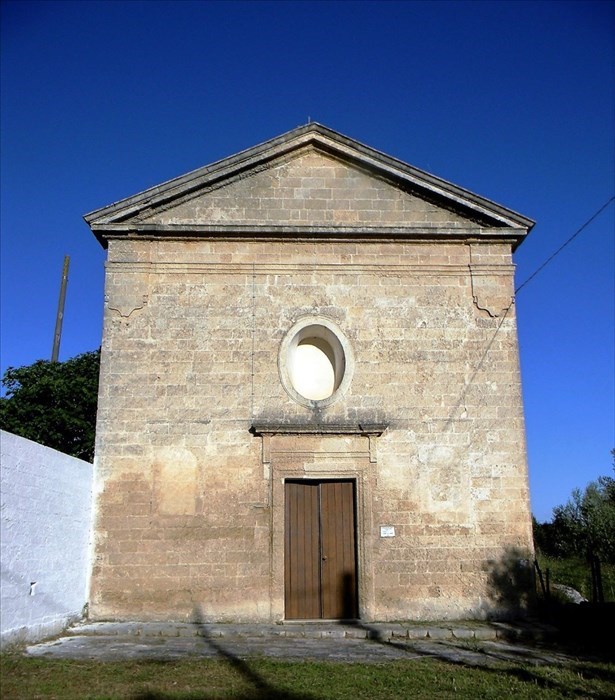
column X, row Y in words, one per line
column 189, row 679
column 575, row 572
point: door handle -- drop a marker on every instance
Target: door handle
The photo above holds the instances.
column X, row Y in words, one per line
column 324, row 558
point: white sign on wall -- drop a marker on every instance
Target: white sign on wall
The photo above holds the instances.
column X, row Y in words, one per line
column 387, row 531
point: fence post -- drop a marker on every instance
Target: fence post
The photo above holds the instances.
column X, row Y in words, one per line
column 597, row 569
column 540, row 578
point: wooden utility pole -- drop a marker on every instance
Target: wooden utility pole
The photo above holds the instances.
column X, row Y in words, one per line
column 60, row 315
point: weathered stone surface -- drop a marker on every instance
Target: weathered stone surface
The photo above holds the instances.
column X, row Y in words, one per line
column 244, row 642
column 190, row 506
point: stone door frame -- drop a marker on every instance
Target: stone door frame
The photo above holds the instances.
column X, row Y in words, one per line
column 321, row 453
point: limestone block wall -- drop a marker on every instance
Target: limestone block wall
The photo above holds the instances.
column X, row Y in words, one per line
column 309, row 187
column 44, row 539
column 190, row 502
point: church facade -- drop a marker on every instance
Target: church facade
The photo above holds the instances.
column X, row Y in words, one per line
column 310, row 402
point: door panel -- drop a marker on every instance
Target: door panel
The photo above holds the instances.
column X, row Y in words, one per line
column 302, row 552
column 338, row 567
column 320, row 550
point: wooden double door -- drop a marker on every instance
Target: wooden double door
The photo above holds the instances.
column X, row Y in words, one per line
column 320, row 553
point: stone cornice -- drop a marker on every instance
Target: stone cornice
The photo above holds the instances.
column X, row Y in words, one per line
column 104, row 222
column 267, row 268
column 476, row 234
column 366, row 429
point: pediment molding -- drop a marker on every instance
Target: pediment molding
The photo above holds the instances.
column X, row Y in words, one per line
column 134, row 215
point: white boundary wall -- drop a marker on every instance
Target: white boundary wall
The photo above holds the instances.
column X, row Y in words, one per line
column 44, row 539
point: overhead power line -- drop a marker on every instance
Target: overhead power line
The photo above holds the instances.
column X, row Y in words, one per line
column 559, row 250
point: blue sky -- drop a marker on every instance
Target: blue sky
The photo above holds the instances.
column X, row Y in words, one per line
column 512, row 100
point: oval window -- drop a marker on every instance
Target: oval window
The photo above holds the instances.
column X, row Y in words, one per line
column 313, row 362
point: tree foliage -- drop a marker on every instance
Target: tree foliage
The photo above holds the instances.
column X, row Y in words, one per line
column 584, row 526
column 54, row 403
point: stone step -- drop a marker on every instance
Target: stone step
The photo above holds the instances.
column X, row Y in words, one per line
column 480, row 631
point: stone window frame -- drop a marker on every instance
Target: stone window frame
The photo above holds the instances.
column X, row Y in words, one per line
column 283, row 361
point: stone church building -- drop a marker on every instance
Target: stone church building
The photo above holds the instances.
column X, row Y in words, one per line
column 310, row 402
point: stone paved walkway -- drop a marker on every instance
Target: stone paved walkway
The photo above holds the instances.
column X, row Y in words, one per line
column 472, row 644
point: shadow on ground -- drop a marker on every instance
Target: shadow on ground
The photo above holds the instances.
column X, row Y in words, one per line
column 517, row 660
column 261, row 688
column 584, row 630
column 581, row 639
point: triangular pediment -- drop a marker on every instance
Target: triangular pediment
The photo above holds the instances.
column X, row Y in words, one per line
column 309, row 181
column 310, row 188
